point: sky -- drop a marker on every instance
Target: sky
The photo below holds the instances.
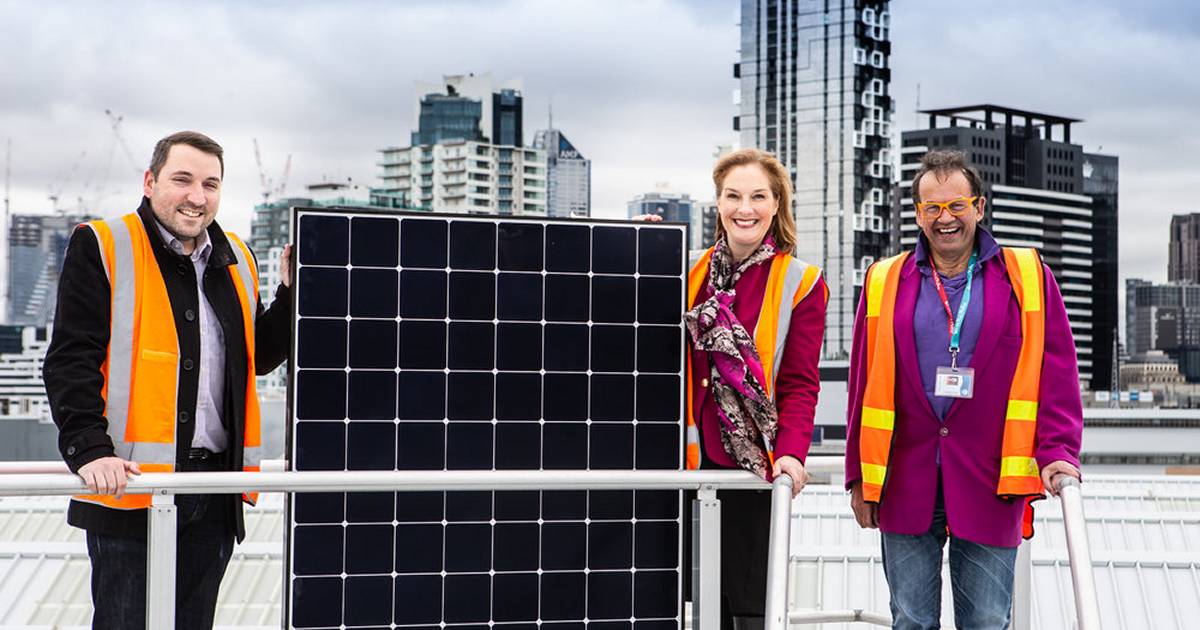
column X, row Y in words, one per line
column 643, row 89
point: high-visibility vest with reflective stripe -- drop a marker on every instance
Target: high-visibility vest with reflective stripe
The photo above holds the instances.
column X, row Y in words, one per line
column 1018, row 469
column 789, row 281
column 141, row 369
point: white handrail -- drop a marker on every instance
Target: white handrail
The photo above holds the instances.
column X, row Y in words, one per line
column 1087, row 602
column 778, row 545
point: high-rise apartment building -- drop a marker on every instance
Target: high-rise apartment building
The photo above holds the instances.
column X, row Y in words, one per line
column 568, row 175
column 460, row 98
column 472, row 177
column 814, row 91
column 36, row 245
column 1166, row 317
column 1043, row 191
column 1183, row 264
column 450, row 116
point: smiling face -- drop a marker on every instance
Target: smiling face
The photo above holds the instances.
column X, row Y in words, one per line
column 747, row 208
column 951, row 238
column 186, row 193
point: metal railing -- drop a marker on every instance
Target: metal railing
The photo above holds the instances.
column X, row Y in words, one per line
column 53, row 479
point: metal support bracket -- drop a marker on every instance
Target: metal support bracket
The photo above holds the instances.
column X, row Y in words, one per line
column 706, row 560
column 160, row 562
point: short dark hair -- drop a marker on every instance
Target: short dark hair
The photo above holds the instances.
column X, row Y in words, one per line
column 193, row 139
column 943, row 162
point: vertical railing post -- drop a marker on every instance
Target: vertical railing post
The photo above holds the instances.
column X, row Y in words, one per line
column 1087, row 603
column 706, row 560
column 160, row 562
column 1022, row 600
column 778, row 553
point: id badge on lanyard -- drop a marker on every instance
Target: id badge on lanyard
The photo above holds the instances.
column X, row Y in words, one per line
column 953, row 381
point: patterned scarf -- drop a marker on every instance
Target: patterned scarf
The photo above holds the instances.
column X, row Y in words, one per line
column 748, row 418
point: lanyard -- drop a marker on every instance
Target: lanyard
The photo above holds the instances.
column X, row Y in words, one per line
column 955, row 323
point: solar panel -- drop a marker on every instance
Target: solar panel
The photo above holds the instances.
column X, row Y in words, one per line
column 441, row 342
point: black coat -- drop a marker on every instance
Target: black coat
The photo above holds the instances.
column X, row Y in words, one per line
column 79, row 346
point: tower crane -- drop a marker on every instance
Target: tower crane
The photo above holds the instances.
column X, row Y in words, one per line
column 269, row 188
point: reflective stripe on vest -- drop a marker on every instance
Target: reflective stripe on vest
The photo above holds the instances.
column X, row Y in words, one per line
column 789, row 281
column 141, row 370
column 1018, row 470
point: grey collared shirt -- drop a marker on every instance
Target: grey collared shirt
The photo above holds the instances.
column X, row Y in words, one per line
column 210, row 433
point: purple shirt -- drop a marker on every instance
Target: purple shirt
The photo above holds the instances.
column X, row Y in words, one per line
column 930, row 331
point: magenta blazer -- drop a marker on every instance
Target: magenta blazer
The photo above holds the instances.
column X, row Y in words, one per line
column 970, row 436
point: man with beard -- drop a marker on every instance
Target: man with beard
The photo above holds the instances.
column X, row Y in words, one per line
column 963, row 404
column 158, row 337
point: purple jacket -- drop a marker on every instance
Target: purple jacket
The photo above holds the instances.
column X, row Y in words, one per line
column 971, row 434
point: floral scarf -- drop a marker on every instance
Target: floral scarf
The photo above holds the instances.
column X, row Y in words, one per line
column 748, row 418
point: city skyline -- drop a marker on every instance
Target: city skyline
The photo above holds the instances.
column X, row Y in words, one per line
column 644, row 113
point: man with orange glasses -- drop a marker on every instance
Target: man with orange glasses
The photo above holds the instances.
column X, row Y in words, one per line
column 963, row 404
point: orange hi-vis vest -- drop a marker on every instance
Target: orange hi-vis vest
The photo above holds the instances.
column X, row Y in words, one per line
column 788, row 277
column 141, row 371
column 1018, row 469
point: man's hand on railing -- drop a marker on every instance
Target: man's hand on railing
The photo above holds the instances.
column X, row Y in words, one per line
column 1054, row 469
column 866, row 513
column 108, row 475
column 790, row 466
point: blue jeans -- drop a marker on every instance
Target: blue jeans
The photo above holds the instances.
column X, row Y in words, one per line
column 205, row 544
column 981, row 578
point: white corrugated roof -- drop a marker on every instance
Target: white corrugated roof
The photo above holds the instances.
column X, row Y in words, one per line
column 1144, row 532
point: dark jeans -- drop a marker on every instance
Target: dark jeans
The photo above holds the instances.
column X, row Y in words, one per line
column 981, row 578
column 205, row 544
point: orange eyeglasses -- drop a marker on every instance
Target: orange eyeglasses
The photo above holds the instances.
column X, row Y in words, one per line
column 956, row 207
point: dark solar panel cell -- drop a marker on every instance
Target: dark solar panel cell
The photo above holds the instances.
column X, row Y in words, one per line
column 469, row 446
column 656, row 504
column 468, row 548
column 420, row 507
column 658, row 398
column 372, row 395
column 518, row 396
column 368, row 600
column 422, row 345
column 658, row 300
column 423, row 294
column 614, row 249
column 370, row 507
column 518, row 505
column 319, row 507
column 518, row 347
column 564, row 446
column 612, row 398
column 473, row 295
column 518, row 446
column 613, row 348
column 373, row 293
column 374, row 242
column 563, row 596
column 614, row 299
column 320, row 446
column 655, row 544
column 325, row 343
column 468, row 598
column 515, row 597
column 372, row 344
column 655, row 594
column 660, row 252
column 519, row 297
column 472, row 505
column 657, row 446
column 469, row 396
column 520, row 246
column 565, row 397
column 323, row 291
column 422, row 396
column 418, row 599
column 568, row 248
column 321, row 395
column 318, row 550
column 423, row 243
column 610, row 546
column 323, row 240
column 610, row 504
column 610, row 595
column 370, row 445
column 369, row 548
column 420, row 446
column 564, row 505
column 472, row 346
column 472, row 245
column 316, row 602
column 659, row 349
column 567, row 298
column 419, row 548
column 566, row 347
column 611, row 446
column 564, row 546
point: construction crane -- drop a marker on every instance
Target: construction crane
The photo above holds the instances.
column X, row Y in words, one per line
column 4, row 251
column 56, row 191
column 269, row 189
